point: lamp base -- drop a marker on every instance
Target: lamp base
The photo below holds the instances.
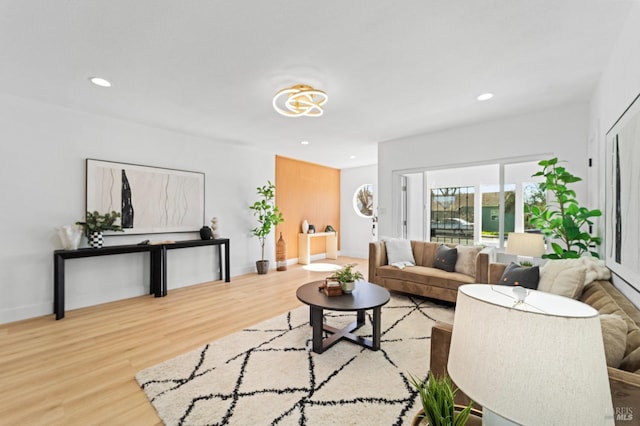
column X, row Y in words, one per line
column 489, row 418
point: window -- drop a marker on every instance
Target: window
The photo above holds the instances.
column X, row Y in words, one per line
column 363, row 200
column 452, row 212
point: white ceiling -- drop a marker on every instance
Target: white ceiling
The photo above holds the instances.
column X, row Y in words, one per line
column 390, row 68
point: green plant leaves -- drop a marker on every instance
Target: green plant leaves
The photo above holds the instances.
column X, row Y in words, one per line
column 266, row 212
column 565, row 220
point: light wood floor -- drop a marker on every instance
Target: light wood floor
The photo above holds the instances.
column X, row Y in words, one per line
column 80, row 370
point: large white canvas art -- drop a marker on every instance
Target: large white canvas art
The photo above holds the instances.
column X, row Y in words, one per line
column 622, row 218
column 150, row 199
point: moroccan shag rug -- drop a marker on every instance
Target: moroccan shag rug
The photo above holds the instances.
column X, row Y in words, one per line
column 268, row 375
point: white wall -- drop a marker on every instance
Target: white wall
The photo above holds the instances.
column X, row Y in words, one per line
column 617, row 88
column 42, row 173
column 355, row 231
column 560, row 132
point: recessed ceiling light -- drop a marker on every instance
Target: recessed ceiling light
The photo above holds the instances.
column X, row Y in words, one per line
column 304, row 143
column 352, row 157
column 100, row 82
column 485, row 96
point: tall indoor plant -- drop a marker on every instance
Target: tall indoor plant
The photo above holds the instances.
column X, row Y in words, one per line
column 268, row 215
column 96, row 223
column 564, row 220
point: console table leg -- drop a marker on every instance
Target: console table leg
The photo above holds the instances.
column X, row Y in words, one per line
column 58, row 286
column 227, row 276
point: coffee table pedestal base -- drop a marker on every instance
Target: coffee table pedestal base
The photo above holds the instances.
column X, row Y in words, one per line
column 320, row 344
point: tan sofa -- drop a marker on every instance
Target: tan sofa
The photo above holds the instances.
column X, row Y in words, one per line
column 422, row 279
column 604, row 297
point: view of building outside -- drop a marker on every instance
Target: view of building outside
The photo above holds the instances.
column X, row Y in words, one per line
column 452, row 212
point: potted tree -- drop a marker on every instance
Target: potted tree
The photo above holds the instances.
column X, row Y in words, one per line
column 268, row 215
column 565, row 220
column 438, row 407
column 95, row 224
column 347, row 277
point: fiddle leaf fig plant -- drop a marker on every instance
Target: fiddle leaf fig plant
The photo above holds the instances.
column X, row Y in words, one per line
column 565, row 220
column 266, row 212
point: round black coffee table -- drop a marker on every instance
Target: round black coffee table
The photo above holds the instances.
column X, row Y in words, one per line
column 365, row 296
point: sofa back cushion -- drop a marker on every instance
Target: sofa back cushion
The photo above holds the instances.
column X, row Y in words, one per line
column 602, row 296
column 424, row 252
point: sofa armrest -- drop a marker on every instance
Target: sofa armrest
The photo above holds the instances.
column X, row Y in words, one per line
column 482, row 267
column 625, row 393
column 440, row 344
column 495, row 272
column 377, row 258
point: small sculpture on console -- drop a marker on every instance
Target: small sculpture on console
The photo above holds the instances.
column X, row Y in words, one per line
column 214, row 227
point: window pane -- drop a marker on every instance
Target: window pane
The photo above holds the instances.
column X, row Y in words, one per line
column 452, row 214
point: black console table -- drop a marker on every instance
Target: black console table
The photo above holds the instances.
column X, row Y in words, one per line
column 158, row 264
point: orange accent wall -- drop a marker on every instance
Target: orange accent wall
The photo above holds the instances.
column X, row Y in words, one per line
column 306, row 191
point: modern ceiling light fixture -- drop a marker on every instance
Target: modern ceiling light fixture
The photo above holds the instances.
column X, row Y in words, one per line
column 300, row 100
column 485, row 96
column 100, row 81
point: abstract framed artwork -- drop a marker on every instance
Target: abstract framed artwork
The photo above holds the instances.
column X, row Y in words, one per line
column 622, row 199
column 150, row 199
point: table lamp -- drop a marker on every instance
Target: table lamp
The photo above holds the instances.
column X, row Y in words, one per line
column 525, row 245
column 529, row 357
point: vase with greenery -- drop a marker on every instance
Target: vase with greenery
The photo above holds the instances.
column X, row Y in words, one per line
column 437, row 399
column 347, row 277
column 96, row 223
column 268, row 215
column 563, row 220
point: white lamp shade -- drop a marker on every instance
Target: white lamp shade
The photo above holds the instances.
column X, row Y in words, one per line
column 537, row 363
column 525, row 244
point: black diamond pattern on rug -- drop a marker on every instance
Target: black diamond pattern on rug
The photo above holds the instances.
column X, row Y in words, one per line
column 268, row 374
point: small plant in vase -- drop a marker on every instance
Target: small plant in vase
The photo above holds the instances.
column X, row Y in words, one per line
column 95, row 224
column 347, row 277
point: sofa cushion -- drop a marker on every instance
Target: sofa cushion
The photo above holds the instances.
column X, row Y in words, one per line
column 603, row 297
column 424, row 275
column 446, row 258
column 614, row 335
column 525, row 276
column 466, row 262
column 399, row 253
column 564, row 277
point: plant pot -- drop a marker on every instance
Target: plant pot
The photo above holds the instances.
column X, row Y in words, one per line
column 348, row 287
column 95, row 239
column 262, row 266
column 475, row 417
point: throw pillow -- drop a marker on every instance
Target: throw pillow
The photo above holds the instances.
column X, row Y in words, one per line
column 564, row 277
column 466, row 263
column 614, row 335
column 399, row 252
column 446, row 258
column 525, row 276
